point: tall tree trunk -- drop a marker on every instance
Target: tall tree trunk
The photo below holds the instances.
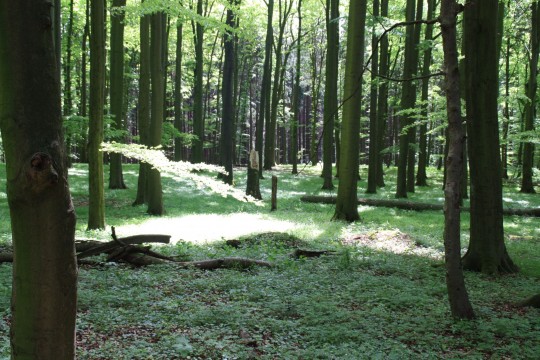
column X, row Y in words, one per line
column 143, row 108
column 382, row 102
column 264, row 103
column 347, row 203
column 330, row 90
column 271, row 123
column 297, row 93
column 96, row 191
column 421, row 176
column 408, row 97
column 374, row 148
column 157, row 76
column 411, row 157
column 530, row 106
column 315, row 87
column 197, row 148
column 460, row 305
column 44, row 289
column 487, row 251
column 178, row 101
column 86, row 34
column 227, row 123
column 116, row 177
column 68, row 102
column 506, row 111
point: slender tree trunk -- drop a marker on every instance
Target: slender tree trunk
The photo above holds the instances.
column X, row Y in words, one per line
column 316, row 88
column 264, row 103
column 178, row 100
column 96, row 191
column 408, row 95
column 506, row 112
column 157, row 76
column 116, row 177
column 460, row 305
column 330, row 90
column 297, row 94
column 421, row 176
column 143, row 107
column 530, row 106
column 374, row 148
column 346, row 203
column 197, row 148
column 86, row 34
column 68, row 102
column 227, row 124
column 382, row 103
column 44, row 289
column 487, row 251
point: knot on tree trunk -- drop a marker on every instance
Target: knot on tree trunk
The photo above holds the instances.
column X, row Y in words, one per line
column 41, row 173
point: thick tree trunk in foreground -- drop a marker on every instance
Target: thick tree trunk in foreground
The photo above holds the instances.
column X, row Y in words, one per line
column 487, row 251
column 346, row 204
column 96, row 191
column 460, row 305
column 116, row 176
column 42, row 215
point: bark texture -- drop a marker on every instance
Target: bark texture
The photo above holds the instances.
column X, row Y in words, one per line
column 44, row 291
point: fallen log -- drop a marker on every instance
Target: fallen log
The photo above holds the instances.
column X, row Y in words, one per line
column 92, row 247
column 533, row 301
column 410, row 205
column 227, row 263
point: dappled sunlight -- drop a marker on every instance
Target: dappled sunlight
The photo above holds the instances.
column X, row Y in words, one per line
column 206, row 228
column 393, row 241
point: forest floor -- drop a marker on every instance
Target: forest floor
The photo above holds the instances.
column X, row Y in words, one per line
column 380, row 295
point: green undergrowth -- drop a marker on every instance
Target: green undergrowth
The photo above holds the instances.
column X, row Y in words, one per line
column 379, row 294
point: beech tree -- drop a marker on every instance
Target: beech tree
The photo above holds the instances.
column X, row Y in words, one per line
column 44, row 291
column 116, row 177
column 487, row 251
column 460, row 305
column 347, row 203
column 96, row 191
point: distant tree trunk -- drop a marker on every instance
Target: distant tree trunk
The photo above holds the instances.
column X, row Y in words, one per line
column 271, row 123
column 44, row 288
column 421, row 176
column 460, row 305
column 86, row 34
column 197, row 148
column 346, row 203
column 144, row 106
column 408, row 97
column 154, row 192
column 264, row 104
column 68, row 102
column 530, row 106
column 227, row 123
column 178, row 100
column 330, row 90
column 374, row 148
column 506, row 112
column 96, row 191
column 487, row 251
column 382, row 102
column 116, row 177
column 315, row 87
column 297, row 93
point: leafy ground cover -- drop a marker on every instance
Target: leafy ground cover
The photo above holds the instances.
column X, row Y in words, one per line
column 381, row 294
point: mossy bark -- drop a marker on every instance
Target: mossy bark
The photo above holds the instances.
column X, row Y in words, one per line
column 116, row 176
column 153, row 190
column 330, row 90
column 96, row 207
column 346, row 204
column 487, row 251
column 42, row 215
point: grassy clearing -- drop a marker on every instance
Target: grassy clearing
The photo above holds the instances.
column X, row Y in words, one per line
column 378, row 297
